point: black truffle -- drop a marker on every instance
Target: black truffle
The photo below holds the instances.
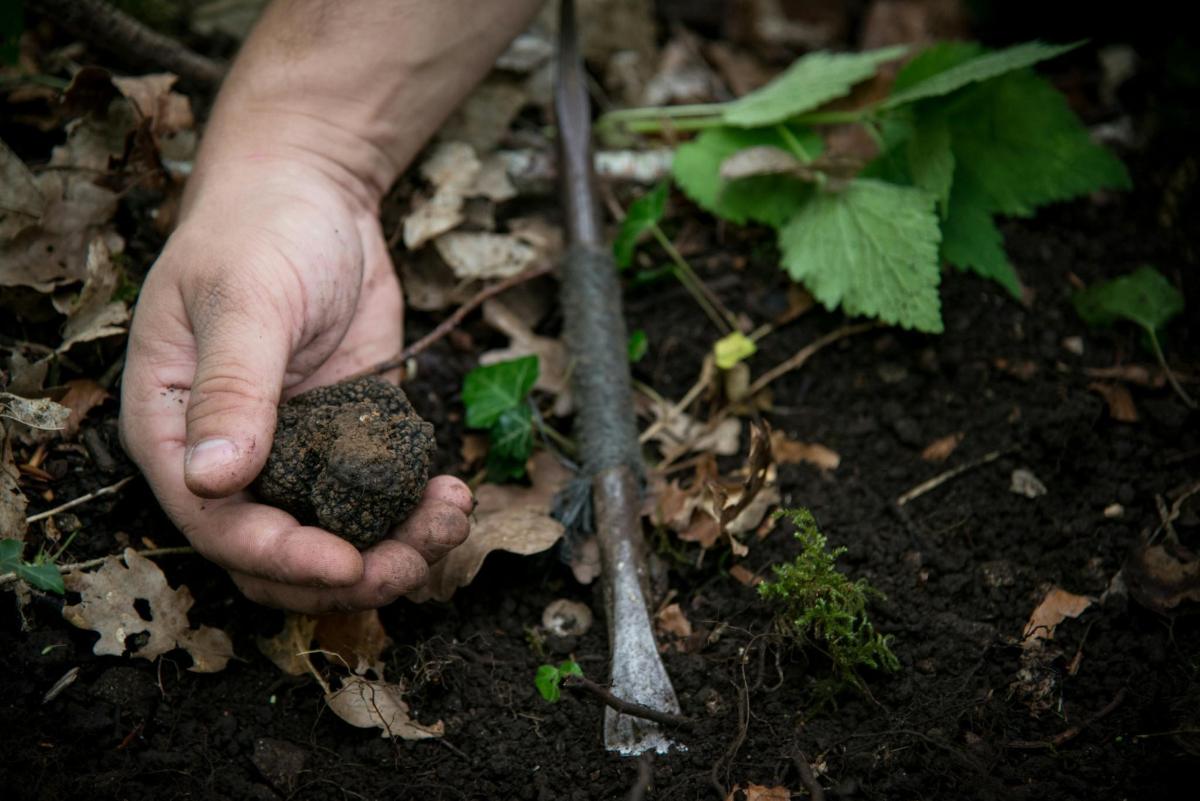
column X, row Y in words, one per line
column 352, row 458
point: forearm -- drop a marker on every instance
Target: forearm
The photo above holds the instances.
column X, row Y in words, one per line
column 353, row 88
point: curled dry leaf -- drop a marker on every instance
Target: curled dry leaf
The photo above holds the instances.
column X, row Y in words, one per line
column 379, row 705
column 759, row 792
column 287, row 649
column 671, row 620
column 485, row 116
column 678, row 433
column 12, row 499
column 452, row 168
column 167, row 112
column 107, row 607
column 1056, row 606
column 481, row 254
column 1160, row 577
column 790, row 451
column 356, row 638
column 551, row 353
column 40, row 413
column 83, row 395
column 21, row 202
column 940, row 449
column 93, row 315
column 1120, row 402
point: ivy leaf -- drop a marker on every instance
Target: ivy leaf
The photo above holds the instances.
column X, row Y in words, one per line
column 490, row 391
column 971, row 240
column 1017, row 138
column 873, row 248
column 547, row 680
column 644, row 213
column 511, row 438
column 1143, row 297
column 638, row 346
column 769, row 199
column 731, row 349
column 973, row 70
column 931, row 159
column 810, row 82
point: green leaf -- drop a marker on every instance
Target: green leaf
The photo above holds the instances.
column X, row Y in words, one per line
column 971, row 240
column 931, row 159
column 769, row 199
column 490, row 391
column 638, row 345
column 547, row 680
column 933, row 60
column 1017, row 138
column 975, row 70
column 511, row 439
column 569, row 668
column 43, row 576
column 873, row 248
column 644, row 213
column 731, row 349
column 810, row 82
column 10, row 551
column 1143, row 297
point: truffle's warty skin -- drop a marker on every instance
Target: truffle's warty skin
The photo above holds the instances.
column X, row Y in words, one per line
column 352, row 458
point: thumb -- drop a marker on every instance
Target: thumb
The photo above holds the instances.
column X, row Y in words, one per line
column 241, row 356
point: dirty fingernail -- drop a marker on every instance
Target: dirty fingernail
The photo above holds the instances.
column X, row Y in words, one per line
column 210, row 455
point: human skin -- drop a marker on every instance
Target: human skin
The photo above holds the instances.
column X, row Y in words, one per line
column 277, row 279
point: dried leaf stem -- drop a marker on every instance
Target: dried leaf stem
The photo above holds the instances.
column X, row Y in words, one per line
column 584, row 684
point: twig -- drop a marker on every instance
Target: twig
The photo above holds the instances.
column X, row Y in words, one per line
column 942, row 478
column 104, row 26
column 8, row 578
column 453, row 321
column 585, row 684
column 1068, row 734
column 1162, row 362
column 815, row 790
column 82, row 499
column 804, row 354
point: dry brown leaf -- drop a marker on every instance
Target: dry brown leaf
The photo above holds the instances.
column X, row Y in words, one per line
column 551, row 353
column 12, row 500
column 107, row 607
column 1160, row 577
column 1056, row 606
column 940, row 449
column 759, row 792
column 481, row 254
column 40, row 413
column 484, row 117
column 472, row 450
column 21, row 202
column 83, row 395
column 429, row 285
column 790, row 451
column 1120, row 401
column 379, row 705
column 680, row 433
column 357, row 639
column 93, row 315
column 743, row 575
column 492, row 180
column 167, row 112
column 671, row 620
column 288, row 649
column 1139, row 374
column 451, row 168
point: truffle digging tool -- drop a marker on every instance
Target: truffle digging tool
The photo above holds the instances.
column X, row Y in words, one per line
column 605, row 425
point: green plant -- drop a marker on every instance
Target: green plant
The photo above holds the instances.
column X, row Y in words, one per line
column 965, row 135
column 818, row 607
column 497, row 399
column 41, row 572
column 1143, row 297
column 548, row 679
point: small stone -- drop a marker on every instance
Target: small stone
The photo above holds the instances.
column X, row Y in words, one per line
column 1024, row 482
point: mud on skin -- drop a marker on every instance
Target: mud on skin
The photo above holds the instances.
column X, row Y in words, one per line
column 352, row 458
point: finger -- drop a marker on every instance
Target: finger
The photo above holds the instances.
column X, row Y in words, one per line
column 391, row 569
column 242, row 349
column 452, row 491
column 434, row 528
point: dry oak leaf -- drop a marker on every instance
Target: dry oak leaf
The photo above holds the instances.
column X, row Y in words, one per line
column 288, row 649
column 677, row 432
column 12, row 499
column 1056, row 606
column 671, row 620
column 107, row 607
column 83, row 395
column 477, row 254
column 357, row 639
column 40, row 413
column 168, row 112
column 940, row 449
column 93, row 314
column 377, row 704
column 452, row 169
column 790, row 451
column 1160, row 577
column 21, row 202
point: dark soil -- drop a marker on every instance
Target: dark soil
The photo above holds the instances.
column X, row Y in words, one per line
column 962, row 568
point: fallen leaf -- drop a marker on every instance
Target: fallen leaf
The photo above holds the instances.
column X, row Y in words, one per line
column 484, row 117
column 790, row 451
column 94, row 314
column 287, row 649
column 26, row 377
column 40, row 413
column 429, row 285
column 167, row 112
column 682, row 75
column 566, row 618
column 83, row 395
column 481, row 254
column 677, row 433
column 1024, row 482
column 21, row 202
column 492, row 181
column 1160, row 577
column 106, row 606
column 761, row 160
column 12, row 500
column 940, row 449
column 451, row 168
column 472, row 450
column 1139, row 374
column 379, row 705
column 1056, row 606
column 743, row 575
column 758, row 792
column 671, row 620
column 356, row 638
column 1120, row 401
column 551, row 353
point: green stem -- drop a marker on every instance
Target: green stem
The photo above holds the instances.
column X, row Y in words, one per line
column 1162, row 362
column 692, row 283
column 789, row 138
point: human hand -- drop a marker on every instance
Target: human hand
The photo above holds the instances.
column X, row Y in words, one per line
column 276, row 280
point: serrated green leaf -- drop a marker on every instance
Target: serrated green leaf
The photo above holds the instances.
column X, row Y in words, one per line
column 976, row 70
column 638, row 345
column 769, row 199
column 644, row 213
column 731, row 349
column 547, row 680
column 873, row 249
column 1144, row 297
column 934, row 60
column 931, row 159
column 808, row 83
column 43, row 576
column 1017, row 138
column 971, row 240
column 10, row 551
column 490, row 391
